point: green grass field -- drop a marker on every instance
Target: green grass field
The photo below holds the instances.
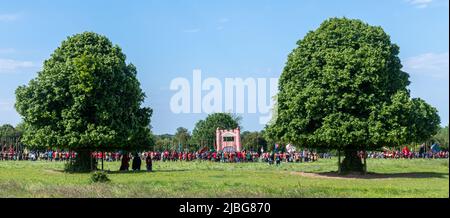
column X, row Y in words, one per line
column 387, row 178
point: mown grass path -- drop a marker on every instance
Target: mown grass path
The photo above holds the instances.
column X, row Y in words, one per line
column 387, row 178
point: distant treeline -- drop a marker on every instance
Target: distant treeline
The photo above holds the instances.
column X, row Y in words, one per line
column 183, row 140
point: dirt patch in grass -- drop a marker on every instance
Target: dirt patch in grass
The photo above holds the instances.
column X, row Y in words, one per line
column 321, row 176
column 335, row 175
column 52, row 171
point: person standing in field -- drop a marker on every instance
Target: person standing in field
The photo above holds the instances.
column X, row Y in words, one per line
column 148, row 162
column 136, row 165
column 125, row 162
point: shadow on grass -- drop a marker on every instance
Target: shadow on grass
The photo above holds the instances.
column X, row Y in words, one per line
column 371, row 175
column 144, row 171
column 115, row 171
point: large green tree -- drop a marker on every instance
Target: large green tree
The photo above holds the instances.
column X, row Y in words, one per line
column 204, row 133
column 182, row 137
column 253, row 141
column 343, row 88
column 85, row 98
column 7, row 130
column 9, row 135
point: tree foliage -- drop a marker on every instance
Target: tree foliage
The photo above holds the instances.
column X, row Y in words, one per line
column 8, row 131
column 253, row 141
column 343, row 87
column 163, row 142
column 85, row 97
column 442, row 137
column 182, row 137
column 204, row 132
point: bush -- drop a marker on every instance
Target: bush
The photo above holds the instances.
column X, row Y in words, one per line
column 100, row 176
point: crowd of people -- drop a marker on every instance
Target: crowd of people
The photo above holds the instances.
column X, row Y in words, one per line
column 244, row 156
column 50, row 155
column 225, row 157
column 406, row 155
column 236, row 157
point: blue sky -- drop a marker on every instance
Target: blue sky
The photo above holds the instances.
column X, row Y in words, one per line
column 169, row 39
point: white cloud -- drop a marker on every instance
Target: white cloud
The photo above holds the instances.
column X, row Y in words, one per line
column 195, row 30
column 420, row 3
column 9, row 17
column 429, row 64
column 11, row 66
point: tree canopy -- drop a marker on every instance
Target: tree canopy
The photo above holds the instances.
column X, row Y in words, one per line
column 204, row 132
column 9, row 133
column 182, row 137
column 253, row 141
column 163, row 142
column 7, row 130
column 441, row 137
column 85, row 97
column 343, row 87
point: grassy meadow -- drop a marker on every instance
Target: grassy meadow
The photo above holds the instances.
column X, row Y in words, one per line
column 387, row 178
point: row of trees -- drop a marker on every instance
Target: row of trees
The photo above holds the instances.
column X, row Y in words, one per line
column 184, row 140
column 255, row 140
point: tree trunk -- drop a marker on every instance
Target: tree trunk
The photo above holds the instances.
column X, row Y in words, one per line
column 365, row 162
column 339, row 161
column 352, row 162
column 82, row 162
